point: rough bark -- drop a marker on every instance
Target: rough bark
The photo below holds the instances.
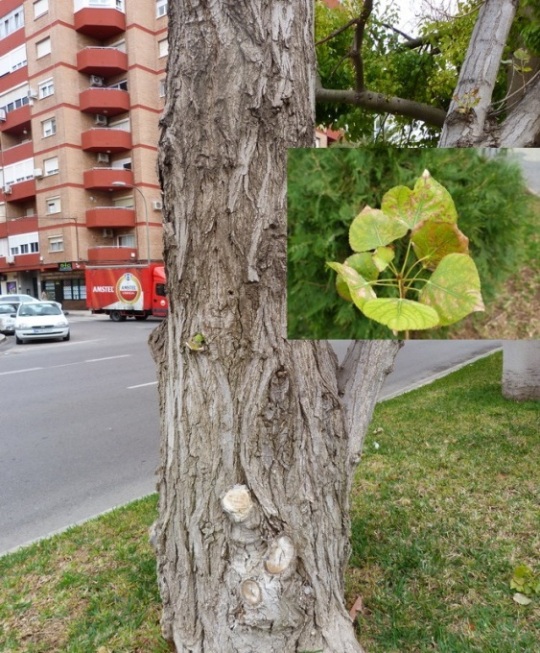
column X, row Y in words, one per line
column 253, row 533
column 521, row 370
column 467, row 126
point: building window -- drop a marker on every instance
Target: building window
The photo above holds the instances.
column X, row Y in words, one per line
column 48, row 127
column 40, row 7
column 163, row 47
column 121, row 86
column 50, row 166
column 161, row 88
column 43, row 47
column 161, row 8
column 56, row 244
column 46, row 88
column 54, row 205
column 128, row 240
column 11, row 22
column 13, row 60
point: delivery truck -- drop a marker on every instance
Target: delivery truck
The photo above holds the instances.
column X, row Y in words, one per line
column 127, row 291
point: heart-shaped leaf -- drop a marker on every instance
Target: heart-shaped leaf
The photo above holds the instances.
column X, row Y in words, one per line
column 359, row 289
column 372, row 228
column 382, row 257
column 433, row 240
column 429, row 200
column 401, row 314
column 366, row 268
column 453, row 290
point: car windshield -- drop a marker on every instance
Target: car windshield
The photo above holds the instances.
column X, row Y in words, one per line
column 39, row 309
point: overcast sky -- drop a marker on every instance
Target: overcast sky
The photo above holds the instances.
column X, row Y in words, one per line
column 410, row 10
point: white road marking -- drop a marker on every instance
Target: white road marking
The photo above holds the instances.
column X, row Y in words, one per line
column 108, row 358
column 29, row 369
column 141, row 385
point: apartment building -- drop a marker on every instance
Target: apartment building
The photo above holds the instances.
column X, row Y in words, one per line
column 81, row 92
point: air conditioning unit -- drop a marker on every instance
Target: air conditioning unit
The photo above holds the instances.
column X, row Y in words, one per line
column 7, row 190
column 157, row 205
column 32, row 94
column 10, row 259
column 108, row 233
column 100, row 119
column 95, row 80
column 103, row 157
column 3, row 115
column 38, row 173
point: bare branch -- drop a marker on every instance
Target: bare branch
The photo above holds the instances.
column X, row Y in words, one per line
column 356, row 52
column 466, row 126
column 522, row 127
column 384, row 104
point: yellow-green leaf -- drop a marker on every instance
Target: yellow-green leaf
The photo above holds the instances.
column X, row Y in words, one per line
column 401, row 314
column 453, row 290
column 359, row 289
column 372, row 228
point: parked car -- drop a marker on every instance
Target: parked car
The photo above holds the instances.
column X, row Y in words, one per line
column 40, row 320
column 8, row 313
column 17, row 298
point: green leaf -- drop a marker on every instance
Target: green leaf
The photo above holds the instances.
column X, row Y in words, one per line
column 372, row 228
column 359, row 289
column 382, row 257
column 429, row 200
column 433, row 240
column 521, row 599
column 454, row 289
column 364, row 265
column 401, row 314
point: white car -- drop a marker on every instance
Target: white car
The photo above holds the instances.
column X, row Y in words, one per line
column 40, row 320
column 17, row 298
column 8, row 313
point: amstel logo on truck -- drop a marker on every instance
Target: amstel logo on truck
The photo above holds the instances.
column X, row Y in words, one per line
column 128, row 288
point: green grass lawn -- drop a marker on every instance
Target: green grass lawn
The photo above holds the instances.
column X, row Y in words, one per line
column 445, row 506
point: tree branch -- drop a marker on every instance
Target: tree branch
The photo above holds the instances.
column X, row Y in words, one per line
column 522, row 126
column 356, row 52
column 383, row 104
column 465, row 125
column 366, row 365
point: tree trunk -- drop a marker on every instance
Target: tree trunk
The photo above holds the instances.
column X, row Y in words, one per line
column 259, row 435
column 521, row 370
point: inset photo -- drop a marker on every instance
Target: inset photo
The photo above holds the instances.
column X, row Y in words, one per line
column 404, row 244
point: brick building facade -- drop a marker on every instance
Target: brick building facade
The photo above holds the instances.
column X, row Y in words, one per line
column 81, row 92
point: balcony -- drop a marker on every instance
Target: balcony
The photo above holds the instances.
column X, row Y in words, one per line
column 102, row 61
column 106, row 140
column 107, row 101
column 20, row 191
column 111, row 255
column 16, row 121
column 22, row 225
column 21, row 261
column 105, row 178
column 110, row 217
column 18, row 153
column 100, row 23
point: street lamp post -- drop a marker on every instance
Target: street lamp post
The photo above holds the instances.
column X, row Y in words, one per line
column 147, row 225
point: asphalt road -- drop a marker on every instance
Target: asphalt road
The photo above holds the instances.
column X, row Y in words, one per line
column 79, row 429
